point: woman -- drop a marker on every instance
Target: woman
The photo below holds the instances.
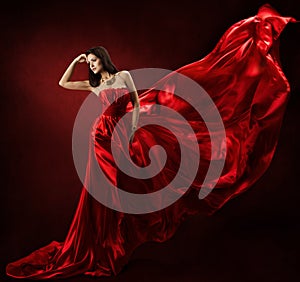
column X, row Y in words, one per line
column 243, row 77
column 101, row 71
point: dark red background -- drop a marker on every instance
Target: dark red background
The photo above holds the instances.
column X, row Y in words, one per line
column 255, row 237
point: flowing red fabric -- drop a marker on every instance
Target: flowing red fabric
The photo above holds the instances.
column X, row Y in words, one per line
column 244, row 79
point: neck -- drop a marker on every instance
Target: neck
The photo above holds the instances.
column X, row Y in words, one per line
column 105, row 74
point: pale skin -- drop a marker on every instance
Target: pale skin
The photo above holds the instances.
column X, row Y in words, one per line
column 95, row 65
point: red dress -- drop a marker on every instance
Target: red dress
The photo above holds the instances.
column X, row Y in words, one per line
column 243, row 77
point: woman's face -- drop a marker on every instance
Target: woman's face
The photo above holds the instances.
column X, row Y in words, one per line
column 94, row 63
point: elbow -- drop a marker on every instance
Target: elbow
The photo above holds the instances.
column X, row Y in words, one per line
column 136, row 104
column 61, row 83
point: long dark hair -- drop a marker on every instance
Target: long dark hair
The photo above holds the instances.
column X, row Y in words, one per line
column 107, row 64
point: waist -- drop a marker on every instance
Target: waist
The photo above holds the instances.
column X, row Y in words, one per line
column 115, row 111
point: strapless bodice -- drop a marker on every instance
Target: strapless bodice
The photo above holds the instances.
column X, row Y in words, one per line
column 113, row 95
column 115, row 100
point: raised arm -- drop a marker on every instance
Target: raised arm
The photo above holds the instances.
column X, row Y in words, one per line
column 65, row 80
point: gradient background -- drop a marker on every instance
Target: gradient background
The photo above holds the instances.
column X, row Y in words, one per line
column 255, row 237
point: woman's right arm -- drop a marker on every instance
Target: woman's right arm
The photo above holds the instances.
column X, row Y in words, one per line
column 74, row 85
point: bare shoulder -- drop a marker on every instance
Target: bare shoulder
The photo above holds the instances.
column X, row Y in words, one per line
column 125, row 74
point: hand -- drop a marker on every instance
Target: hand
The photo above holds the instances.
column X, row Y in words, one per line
column 81, row 58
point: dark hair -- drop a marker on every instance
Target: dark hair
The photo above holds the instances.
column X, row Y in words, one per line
column 106, row 62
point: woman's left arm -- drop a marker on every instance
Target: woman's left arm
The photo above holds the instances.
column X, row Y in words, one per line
column 134, row 99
